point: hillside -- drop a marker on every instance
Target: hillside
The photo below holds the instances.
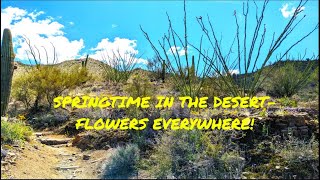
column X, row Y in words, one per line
column 62, row 151
column 94, row 66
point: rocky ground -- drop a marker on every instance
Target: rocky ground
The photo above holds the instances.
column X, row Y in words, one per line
column 51, row 156
column 60, row 151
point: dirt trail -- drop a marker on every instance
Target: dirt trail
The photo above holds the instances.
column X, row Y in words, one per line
column 38, row 160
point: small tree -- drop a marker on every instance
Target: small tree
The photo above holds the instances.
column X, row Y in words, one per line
column 45, row 82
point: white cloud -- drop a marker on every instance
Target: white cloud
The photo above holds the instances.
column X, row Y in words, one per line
column 41, row 34
column 124, row 46
column 35, row 14
column 286, row 13
column 114, row 25
column 178, row 49
column 234, row 71
column 71, row 23
column 223, row 73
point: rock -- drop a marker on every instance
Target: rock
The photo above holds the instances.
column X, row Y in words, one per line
column 59, row 145
column 66, row 168
column 4, row 118
column 4, row 163
column 295, row 132
column 3, row 153
column 35, row 146
column 293, row 128
column 291, row 124
column 86, row 157
column 284, row 131
column 12, row 162
column 300, row 122
column 55, row 141
column 38, row 134
column 178, row 112
column 76, row 139
column 99, row 139
column 303, row 127
column 11, row 154
column 304, row 132
column 282, row 125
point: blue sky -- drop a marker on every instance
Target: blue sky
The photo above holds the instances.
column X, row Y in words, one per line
column 80, row 27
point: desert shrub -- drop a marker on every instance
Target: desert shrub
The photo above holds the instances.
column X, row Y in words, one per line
column 145, row 139
column 288, row 80
column 114, row 75
column 14, row 131
column 123, row 163
column 21, row 90
column 195, row 154
column 210, row 87
column 285, row 101
column 155, row 67
column 300, row 157
column 315, row 79
column 139, row 85
column 118, row 66
column 48, row 119
column 46, row 83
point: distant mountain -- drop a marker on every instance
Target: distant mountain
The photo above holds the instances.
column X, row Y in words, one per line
column 94, row 66
column 300, row 65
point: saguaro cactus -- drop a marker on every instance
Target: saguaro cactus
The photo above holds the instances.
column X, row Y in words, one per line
column 163, row 72
column 193, row 68
column 84, row 63
column 7, row 66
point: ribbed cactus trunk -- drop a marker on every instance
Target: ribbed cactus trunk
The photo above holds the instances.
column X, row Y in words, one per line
column 7, row 66
column 84, row 63
column 193, row 69
column 163, row 72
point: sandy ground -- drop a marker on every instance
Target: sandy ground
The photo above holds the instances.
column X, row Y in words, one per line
column 39, row 161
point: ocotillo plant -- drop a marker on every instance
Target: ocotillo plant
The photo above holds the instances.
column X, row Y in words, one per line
column 163, row 73
column 7, row 66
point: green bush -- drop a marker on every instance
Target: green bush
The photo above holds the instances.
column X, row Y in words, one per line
column 119, row 66
column 156, row 68
column 14, row 131
column 300, row 157
column 114, row 75
column 195, row 154
column 45, row 83
column 139, row 85
column 21, row 90
column 315, row 79
column 285, row 101
column 123, row 163
column 287, row 80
